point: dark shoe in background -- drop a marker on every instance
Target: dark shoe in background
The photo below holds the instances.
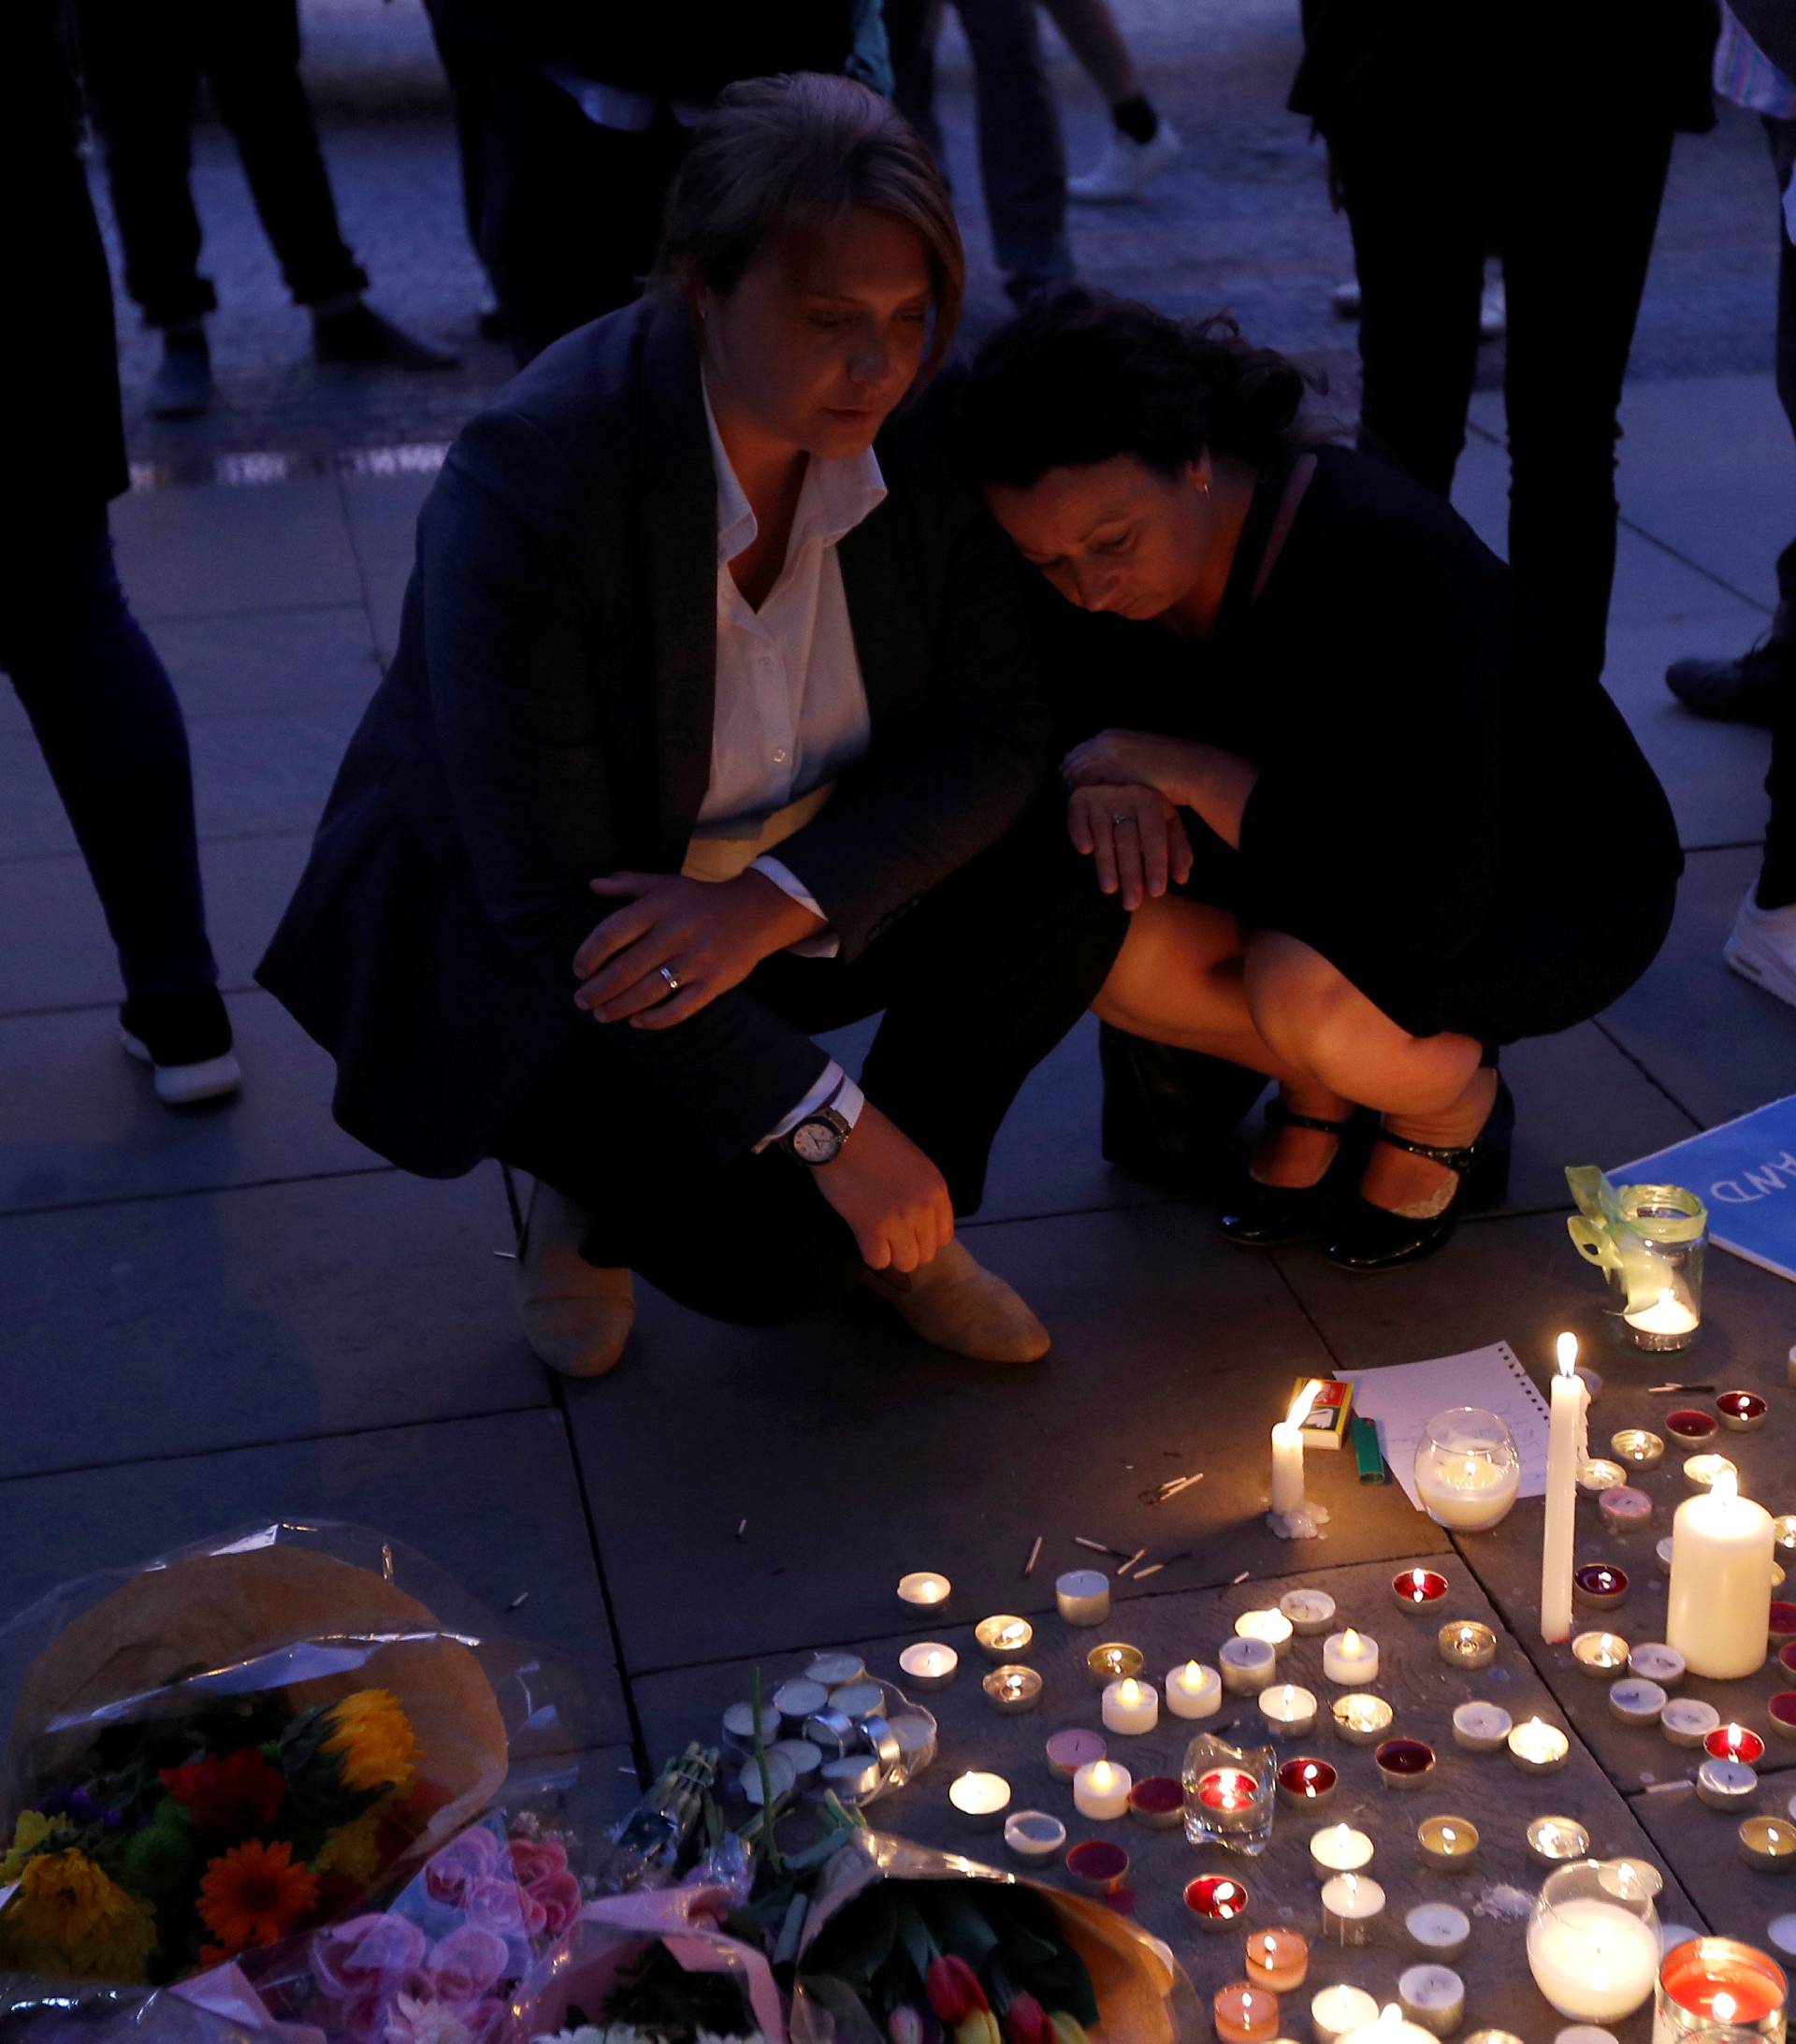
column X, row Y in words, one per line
column 1746, row 690
column 359, row 337
column 1168, row 1114
column 182, row 386
column 186, row 1041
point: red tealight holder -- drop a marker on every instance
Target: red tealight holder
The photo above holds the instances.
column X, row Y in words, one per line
column 1599, row 1584
column 1415, row 1589
column 1216, row 1901
column 1099, row 1866
column 1735, row 1743
column 1782, row 1712
column 1787, row 1657
column 1158, row 1802
column 1404, row 1763
column 1230, row 1789
column 1741, row 1411
column 1306, row 1783
column 1695, row 1975
column 1783, row 1624
column 1690, row 1425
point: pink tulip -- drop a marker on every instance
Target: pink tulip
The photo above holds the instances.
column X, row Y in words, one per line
column 558, row 1897
column 469, row 1855
column 533, row 1860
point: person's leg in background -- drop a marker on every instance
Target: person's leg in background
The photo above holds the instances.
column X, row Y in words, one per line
column 464, row 66
column 1023, row 159
column 250, row 51
column 1141, row 142
column 1580, row 201
column 105, row 714
column 911, row 29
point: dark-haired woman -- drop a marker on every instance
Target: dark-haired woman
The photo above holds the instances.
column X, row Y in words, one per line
column 1350, row 823
column 694, row 633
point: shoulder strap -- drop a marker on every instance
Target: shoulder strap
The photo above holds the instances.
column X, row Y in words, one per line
column 1250, row 549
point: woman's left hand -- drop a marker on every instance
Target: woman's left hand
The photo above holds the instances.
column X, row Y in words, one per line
column 1137, row 759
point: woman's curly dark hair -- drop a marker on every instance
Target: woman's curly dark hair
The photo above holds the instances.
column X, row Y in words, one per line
column 1083, row 376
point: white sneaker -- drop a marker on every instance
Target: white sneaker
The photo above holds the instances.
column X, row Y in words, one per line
column 1762, row 949
column 1126, row 167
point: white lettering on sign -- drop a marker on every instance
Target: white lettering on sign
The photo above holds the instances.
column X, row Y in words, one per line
column 1777, row 1175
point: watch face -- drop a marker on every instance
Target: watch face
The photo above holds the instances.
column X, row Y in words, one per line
column 816, row 1142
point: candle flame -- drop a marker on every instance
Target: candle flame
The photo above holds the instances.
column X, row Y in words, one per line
column 1724, row 2007
column 1566, row 1348
column 1128, row 1691
column 1194, row 1674
column 1350, row 1641
column 1301, row 1405
column 1726, row 1485
column 1350, row 1883
column 1103, row 1774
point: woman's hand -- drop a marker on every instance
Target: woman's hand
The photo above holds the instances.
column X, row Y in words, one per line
column 710, row 936
column 1134, row 759
column 1134, row 834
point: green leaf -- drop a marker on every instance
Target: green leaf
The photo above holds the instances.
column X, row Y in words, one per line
column 970, row 1936
column 913, row 1937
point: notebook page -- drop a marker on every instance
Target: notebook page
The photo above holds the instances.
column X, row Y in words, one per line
column 1402, row 1399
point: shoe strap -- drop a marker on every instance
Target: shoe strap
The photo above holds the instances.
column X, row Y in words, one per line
column 1460, row 1159
column 1281, row 1116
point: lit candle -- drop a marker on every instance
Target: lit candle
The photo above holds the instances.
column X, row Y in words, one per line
column 928, row 1665
column 1271, row 1626
column 1553, row 1840
column 1310, row 1611
column 1338, row 2011
column 1688, row 1720
column 1465, row 1643
column 1448, row 1842
column 1415, row 1589
column 1013, row 1689
column 1193, row 1691
column 1565, row 1451
column 1769, row 1845
column 1033, row 1837
column 923, row 1591
column 1350, row 1658
column 1101, row 1791
column 1338, row 1848
column 1004, row 1637
column 1668, row 1319
column 1390, row 2028
column 1131, row 1707
column 1736, row 1743
column 1305, row 1783
column 1287, row 1455
column 1603, row 1653
column 1726, row 1785
column 980, row 1800
column 1290, row 1712
column 1463, row 1484
column 1592, row 1959
column 1361, row 1719
column 1717, row 1986
column 1598, row 1474
column 1439, row 1931
column 1244, row 2014
column 1433, row 1998
column 1638, row 1446
column 1111, row 1661
column 1719, row 1608
column 1537, row 1748
column 1599, row 1585
column 1228, row 1790
column 1704, row 1471
column 1082, row 1595
column 1216, row 1901
column 1278, row 1960
column 1352, row 1904
column 1247, row 1665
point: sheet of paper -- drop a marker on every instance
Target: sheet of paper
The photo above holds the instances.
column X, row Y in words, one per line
column 1402, row 1399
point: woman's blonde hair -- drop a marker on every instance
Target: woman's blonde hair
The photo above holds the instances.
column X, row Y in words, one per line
column 782, row 159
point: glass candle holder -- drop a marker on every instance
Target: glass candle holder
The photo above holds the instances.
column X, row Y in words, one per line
column 1656, row 1246
column 1467, row 1469
column 1593, row 1941
column 1229, row 1795
column 1720, row 1991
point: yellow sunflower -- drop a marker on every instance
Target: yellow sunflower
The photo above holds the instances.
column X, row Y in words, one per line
column 354, row 1850
column 70, row 1916
column 373, row 1739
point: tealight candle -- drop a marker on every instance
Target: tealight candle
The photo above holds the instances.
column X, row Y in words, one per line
column 739, row 1727
column 1339, row 2010
column 1216, row 1901
column 1781, row 1930
column 1783, row 1531
column 1637, row 1702
column 1131, row 1707
column 1033, row 1837
column 1004, row 1637
column 833, row 1670
column 1433, row 1998
column 1449, row 1842
column 1305, row 1783
column 1783, row 1624
column 1554, row 1839
column 1465, row 1643
column 1598, row 1474
column 1082, row 1595
column 1438, row 1930
column 923, row 1590
column 1638, row 1447
column 1736, row 1743
column 1781, row 1710
column 1404, row 1763
column 1624, row 1510
column 1480, row 1727
column 1741, row 1411
column 928, row 1665
column 858, row 1699
column 916, row 1734
column 1193, row 1691
column 1703, row 1471
column 1599, row 1584
column 980, row 1800
column 1228, row 1790
column 1537, row 1748
column 1686, row 1720
column 1416, row 1589
column 1101, row 1791
column 1244, row 2014
column 1278, row 1960
column 1098, row 1865
column 1013, row 1689
column 1112, row 1660
column 1247, row 1665
column 1716, row 1988
column 1688, row 1424
column 1269, row 1625
column 1310, row 1611
column 1654, row 1662
column 781, row 1779
column 1769, row 1845
column 1158, row 1802
column 1338, row 1848
column 1668, row 1323
column 1290, row 1712
column 1352, row 1904
column 1599, row 1653
column 1071, row 1749
column 1361, row 1720
column 1786, row 1657
column 803, row 1759
column 1350, row 1658
column 797, row 1701
column 1726, row 1785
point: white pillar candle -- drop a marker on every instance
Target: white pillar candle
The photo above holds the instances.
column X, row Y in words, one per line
column 1193, row 1691
column 1289, row 1711
column 1287, row 1455
column 1338, row 1848
column 1565, row 1452
column 1101, row 1791
column 1719, row 1608
column 1592, row 1959
column 1083, row 1596
column 1350, row 1658
column 1130, row 1706
column 1437, row 1930
column 1271, row 1626
column 1352, row 1904
column 1338, row 2011
column 1247, row 1665
column 1310, row 1611
column 1433, row 1998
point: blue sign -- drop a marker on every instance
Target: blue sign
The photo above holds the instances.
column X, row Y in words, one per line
column 1745, row 1173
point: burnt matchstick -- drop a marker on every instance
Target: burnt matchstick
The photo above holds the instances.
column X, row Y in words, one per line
column 1035, row 1556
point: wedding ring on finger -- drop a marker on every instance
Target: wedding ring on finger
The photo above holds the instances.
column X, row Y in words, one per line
column 671, row 978
column 1121, row 816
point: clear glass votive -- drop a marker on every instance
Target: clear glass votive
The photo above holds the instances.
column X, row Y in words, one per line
column 1229, row 1795
column 1467, row 1469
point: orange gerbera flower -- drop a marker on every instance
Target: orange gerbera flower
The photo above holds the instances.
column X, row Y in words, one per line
column 255, row 1893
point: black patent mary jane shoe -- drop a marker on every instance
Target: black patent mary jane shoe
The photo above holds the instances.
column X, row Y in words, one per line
column 1373, row 1237
column 1262, row 1216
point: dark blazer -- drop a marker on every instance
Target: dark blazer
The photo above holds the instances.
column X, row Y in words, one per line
column 548, row 719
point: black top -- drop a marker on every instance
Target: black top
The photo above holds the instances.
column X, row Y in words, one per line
column 1429, row 808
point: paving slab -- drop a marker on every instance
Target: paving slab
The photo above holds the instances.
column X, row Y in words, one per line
column 165, row 1326
column 79, row 1120
column 1485, row 1788
column 382, row 514
column 857, row 1454
column 1700, row 1847
column 207, row 550
column 494, row 1502
column 1720, row 1046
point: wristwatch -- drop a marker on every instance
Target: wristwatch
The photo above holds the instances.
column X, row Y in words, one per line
column 817, row 1140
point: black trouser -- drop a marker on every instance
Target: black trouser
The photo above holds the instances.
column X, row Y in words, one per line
column 571, row 211
column 465, row 67
column 1778, row 877
column 143, row 61
column 1571, row 202
column 976, row 983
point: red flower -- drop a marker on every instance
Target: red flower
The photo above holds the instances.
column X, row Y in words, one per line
column 953, row 1989
column 1025, row 2021
column 237, row 1794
